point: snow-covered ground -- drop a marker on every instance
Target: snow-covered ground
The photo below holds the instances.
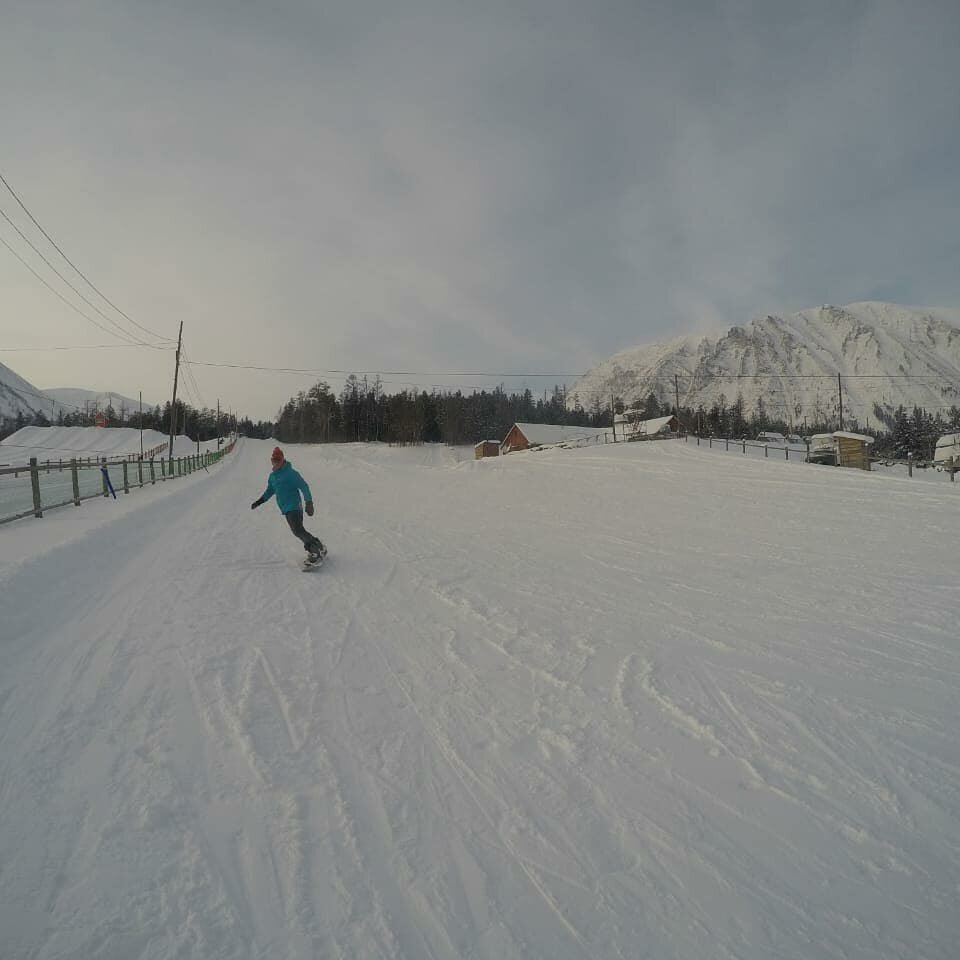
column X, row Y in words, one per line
column 55, row 444
column 625, row 701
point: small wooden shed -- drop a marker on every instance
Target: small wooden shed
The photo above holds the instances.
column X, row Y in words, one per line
column 486, row 448
column 852, row 449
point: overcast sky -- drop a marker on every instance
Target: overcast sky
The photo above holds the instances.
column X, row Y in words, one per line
column 464, row 186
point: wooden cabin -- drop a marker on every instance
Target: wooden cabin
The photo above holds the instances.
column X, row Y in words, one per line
column 852, row 449
column 526, row 436
column 486, row 448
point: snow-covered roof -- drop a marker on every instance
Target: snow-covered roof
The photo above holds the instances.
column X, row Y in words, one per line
column 949, row 440
column 648, row 428
column 540, row 434
column 846, row 435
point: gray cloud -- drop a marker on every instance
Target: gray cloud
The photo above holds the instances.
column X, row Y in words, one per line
column 456, row 186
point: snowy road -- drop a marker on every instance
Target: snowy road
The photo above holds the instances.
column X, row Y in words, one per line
column 637, row 701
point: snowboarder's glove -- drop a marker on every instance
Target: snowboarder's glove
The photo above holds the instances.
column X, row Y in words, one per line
column 255, row 504
column 308, row 506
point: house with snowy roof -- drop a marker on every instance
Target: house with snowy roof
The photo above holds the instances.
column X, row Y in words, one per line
column 528, row 436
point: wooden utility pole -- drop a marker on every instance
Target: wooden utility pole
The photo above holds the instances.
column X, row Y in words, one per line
column 173, row 403
column 141, row 424
column 840, row 395
column 613, row 417
column 676, row 386
column 218, row 423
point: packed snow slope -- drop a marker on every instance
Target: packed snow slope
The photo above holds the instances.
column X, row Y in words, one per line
column 887, row 353
column 633, row 701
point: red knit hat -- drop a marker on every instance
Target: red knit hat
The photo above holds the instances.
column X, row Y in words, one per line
column 276, row 456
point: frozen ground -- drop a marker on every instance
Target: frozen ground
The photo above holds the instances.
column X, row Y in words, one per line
column 630, row 701
column 61, row 444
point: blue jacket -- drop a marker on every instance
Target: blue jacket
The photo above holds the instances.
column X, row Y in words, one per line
column 287, row 484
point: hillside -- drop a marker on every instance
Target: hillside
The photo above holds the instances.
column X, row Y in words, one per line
column 886, row 354
column 19, row 396
column 74, row 398
column 55, row 443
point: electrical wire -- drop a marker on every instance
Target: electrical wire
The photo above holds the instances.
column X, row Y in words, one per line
column 79, row 346
column 70, row 303
column 79, row 272
column 122, row 335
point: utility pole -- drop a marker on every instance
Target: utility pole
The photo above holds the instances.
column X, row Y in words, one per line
column 676, row 385
column 173, row 403
column 218, row 423
column 141, row 424
column 840, row 395
column 613, row 417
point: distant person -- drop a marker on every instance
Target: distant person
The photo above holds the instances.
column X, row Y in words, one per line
column 288, row 485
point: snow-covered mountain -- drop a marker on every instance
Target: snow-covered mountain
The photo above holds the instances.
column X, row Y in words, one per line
column 19, row 396
column 886, row 354
column 74, row 398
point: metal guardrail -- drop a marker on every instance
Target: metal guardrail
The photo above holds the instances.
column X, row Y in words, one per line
column 29, row 489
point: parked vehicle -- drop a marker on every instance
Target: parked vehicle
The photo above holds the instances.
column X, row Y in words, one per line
column 770, row 437
column 822, row 449
column 795, row 438
column 948, row 446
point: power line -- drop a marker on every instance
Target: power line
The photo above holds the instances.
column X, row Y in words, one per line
column 72, row 305
column 79, row 346
column 80, row 273
column 372, row 373
column 122, row 335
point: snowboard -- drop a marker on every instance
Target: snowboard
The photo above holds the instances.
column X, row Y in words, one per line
column 314, row 564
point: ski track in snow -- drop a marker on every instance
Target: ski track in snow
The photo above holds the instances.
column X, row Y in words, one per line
column 636, row 701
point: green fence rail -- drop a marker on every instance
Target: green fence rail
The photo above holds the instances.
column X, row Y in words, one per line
column 30, row 489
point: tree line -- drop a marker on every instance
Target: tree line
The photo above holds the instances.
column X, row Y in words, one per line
column 195, row 423
column 363, row 411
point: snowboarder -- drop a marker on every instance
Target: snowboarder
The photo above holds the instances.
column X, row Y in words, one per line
column 288, row 485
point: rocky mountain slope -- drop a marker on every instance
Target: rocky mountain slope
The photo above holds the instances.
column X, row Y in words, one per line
column 886, row 354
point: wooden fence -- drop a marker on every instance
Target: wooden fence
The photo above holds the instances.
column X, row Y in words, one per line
column 128, row 473
column 910, row 462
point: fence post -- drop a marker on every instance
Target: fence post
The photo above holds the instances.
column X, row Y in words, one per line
column 744, row 444
column 786, row 453
column 140, row 471
column 953, row 467
column 76, row 482
column 126, row 482
column 153, row 475
column 103, row 476
column 726, row 441
column 807, row 442
column 910, row 464
column 35, row 486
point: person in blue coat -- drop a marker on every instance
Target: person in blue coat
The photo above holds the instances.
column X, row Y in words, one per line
column 287, row 485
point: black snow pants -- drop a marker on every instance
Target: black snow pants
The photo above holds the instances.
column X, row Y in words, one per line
column 295, row 519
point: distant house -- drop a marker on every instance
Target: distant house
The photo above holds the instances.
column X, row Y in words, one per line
column 659, row 428
column 100, row 420
column 486, row 448
column 947, row 452
column 852, row 449
column 841, row 448
column 526, row 436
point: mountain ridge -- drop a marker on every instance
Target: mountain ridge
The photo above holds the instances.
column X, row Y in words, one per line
column 886, row 355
